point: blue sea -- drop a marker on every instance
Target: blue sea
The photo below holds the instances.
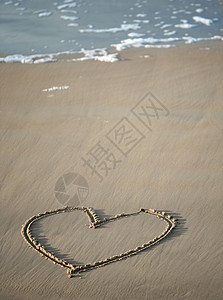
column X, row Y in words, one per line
column 38, row 31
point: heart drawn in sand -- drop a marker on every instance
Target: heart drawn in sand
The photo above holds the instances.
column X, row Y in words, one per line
column 94, row 222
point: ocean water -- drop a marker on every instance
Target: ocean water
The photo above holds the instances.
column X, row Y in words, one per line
column 36, row 31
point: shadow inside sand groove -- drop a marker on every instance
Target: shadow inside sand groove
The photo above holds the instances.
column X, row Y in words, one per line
column 180, row 229
column 37, row 231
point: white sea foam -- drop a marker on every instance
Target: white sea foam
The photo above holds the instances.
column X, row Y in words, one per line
column 44, row 60
column 72, row 25
column 16, row 58
column 169, row 32
column 124, row 27
column 165, row 26
column 102, row 54
column 45, row 14
column 26, row 59
column 145, row 56
column 190, row 40
column 141, row 15
column 204, row 21
column 144, row 42
column 67, row 5
column 141, row 21
column 181, row 11
column 42, row 13
column 160, row 46
column 185, row 25
column 39, row 11
column 97, row 54
column 135, row 34
column 159, row 43
column 71, row 11
column 199, row 10
column 56, row 88
column 33, row 59
column 68, row 18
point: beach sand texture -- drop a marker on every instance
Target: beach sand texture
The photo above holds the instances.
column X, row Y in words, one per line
column 28, row 233
column 176, row 167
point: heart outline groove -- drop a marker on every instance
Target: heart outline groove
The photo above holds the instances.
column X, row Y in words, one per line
column 94, row 222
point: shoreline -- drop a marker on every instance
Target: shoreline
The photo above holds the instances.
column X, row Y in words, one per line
column 109, row 54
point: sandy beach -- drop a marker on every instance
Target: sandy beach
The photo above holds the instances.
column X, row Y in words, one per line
column 168, row 102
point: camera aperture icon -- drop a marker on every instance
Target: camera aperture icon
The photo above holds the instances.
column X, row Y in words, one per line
column 71, row 189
